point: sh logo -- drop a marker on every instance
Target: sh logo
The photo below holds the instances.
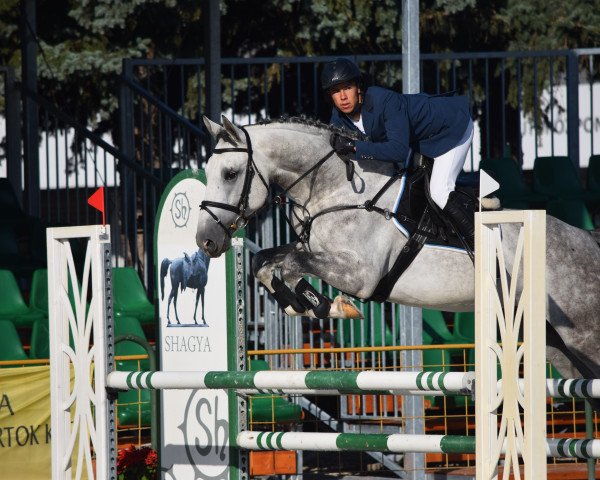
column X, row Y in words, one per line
column 205, row 432
column 180, row 210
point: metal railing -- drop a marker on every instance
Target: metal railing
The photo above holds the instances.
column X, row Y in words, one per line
column 525, row 104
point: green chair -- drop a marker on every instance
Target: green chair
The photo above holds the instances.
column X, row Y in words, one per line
column 513, row 192
column 464, row 326
column 133, row 406
column 593, row 184
column 268, row 408
column 130, row 326
column 12, row 305
column 593, row 175
column 40, row 339
column 129, row 296
column 10, row 343
column 38, row 297
column 571, row 211
column 557, row 177
column 435, row 326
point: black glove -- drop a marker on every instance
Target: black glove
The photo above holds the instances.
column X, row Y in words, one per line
column 341, row 144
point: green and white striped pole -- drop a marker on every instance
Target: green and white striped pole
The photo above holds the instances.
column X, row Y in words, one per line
column 281, row 382
column 287, row 382
column 398, row 443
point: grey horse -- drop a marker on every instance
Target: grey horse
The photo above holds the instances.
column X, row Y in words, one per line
column 186, row 272
column 352, row 249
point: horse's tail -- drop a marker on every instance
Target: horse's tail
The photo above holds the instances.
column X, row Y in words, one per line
column 164, row 268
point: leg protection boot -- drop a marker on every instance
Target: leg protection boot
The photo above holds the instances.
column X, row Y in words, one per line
column 461, row 217
column 284, row 296
column 312, row 300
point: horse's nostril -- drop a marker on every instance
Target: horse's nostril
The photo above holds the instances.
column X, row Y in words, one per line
column 209, row 246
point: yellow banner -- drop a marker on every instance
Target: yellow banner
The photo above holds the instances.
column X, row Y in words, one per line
column 25, row 423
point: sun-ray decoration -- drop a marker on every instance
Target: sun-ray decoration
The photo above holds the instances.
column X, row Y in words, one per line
column 76, row 361
column 510, row 335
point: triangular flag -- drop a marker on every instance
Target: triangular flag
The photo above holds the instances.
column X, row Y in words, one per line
column 487, row 184
column 97, row 201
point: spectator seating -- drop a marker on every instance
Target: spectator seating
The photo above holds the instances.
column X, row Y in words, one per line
column 464, row 326
column 10, row 343
column 129, row 296
column 12, row 305
column 513, row 192
column 557, row 177
column 572, row 211
column 593, row 175
column 593, row 183
column 40, row 339
column 38, row 296
column 436, row 327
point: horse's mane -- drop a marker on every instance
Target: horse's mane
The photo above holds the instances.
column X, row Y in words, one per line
column 324, row 128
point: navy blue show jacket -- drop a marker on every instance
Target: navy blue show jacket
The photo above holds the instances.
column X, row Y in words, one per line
column 397, row 123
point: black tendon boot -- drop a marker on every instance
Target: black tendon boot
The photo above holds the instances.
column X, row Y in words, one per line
column 284, row 296
column 312, row 300
column 458, row 211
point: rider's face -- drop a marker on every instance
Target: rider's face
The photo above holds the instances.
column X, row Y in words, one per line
column 345, row 96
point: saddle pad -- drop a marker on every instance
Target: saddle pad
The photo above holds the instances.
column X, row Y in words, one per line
column 410, row 202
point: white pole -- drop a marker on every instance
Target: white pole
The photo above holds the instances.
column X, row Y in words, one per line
column 81, row 415
column 500, row 307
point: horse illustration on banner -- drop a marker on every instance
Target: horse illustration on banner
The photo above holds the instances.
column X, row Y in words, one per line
column 189, row 271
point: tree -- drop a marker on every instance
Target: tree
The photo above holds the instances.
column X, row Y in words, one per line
column 82, row 44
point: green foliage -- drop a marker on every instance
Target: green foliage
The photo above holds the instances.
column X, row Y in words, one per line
column 82, row 42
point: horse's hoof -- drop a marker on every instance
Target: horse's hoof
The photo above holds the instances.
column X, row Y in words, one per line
column 342, row 307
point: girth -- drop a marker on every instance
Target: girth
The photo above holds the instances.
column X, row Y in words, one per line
column 430, row 227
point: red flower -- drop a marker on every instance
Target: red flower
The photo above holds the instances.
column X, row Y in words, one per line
column 137, row 463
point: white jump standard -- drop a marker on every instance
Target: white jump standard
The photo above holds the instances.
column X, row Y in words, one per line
column 97, row 431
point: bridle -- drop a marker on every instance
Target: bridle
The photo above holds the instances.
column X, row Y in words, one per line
column 304, row 236
column 251, row 169
column 240, row 209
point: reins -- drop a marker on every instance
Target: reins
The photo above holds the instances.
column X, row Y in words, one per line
column 305, row 223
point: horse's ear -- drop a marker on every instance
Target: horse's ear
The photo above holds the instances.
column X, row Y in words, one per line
column 234, row 132
column 213, row 128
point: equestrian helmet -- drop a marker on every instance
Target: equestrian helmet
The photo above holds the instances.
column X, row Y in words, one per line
column 339, row 71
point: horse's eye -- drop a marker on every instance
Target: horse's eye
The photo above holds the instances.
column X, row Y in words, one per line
column 230, row 175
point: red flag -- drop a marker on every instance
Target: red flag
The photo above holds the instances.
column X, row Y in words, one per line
column 97, row 201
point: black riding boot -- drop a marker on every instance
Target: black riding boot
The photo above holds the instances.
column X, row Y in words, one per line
column 458, row 211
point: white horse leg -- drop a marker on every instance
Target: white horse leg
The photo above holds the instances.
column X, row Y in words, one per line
column 339, row 270
column 264, row 265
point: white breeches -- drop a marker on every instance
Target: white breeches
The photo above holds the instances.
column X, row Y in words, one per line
column 446, row 168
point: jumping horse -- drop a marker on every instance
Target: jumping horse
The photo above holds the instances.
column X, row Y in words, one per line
column 353, row 248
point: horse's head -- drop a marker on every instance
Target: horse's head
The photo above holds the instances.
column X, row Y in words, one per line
column 236, row 189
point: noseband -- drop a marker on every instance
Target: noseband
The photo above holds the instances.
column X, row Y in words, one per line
column 240, row 209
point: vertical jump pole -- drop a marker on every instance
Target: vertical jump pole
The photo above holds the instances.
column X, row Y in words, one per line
column 82, row 414
column 500, row 307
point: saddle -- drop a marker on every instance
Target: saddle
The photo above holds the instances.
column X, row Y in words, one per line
column 422, row 221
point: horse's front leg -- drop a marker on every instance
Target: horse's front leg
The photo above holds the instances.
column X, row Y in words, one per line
column 264, row 265
column 340, row 270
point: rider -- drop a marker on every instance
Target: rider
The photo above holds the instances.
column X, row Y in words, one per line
column 439, row 127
